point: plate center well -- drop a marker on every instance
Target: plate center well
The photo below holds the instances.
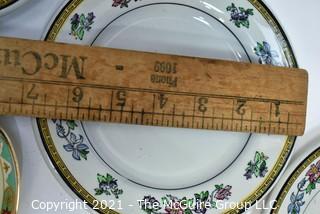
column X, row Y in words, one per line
column 168, row 158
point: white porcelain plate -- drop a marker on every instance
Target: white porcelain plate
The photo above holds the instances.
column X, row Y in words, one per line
column 7, row 6
column 142, row 169
column 298, row 192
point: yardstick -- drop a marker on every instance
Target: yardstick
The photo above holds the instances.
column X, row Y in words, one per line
column 63, row 81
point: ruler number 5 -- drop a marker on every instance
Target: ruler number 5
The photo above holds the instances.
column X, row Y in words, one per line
column 121, row 96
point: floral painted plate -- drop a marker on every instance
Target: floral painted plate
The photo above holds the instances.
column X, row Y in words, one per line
column 7, row 6
column 138, row 169
column 9, row 176
column 299, row 189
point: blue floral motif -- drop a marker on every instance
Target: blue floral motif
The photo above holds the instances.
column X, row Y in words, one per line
column 64, row 130
column 265, row 54
column 80, row 24
column 297, row 199
column 240, row 16
column 108, row 185
column 257, row 167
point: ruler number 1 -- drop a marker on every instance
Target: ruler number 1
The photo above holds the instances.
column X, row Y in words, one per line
column 277, row 111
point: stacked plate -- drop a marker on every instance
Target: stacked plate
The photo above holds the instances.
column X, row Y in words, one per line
column 9, row 176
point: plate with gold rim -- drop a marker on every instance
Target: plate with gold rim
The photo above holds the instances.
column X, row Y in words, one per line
column 7, row 6
column 9, row 176
column 141, row 169
column 298, row 191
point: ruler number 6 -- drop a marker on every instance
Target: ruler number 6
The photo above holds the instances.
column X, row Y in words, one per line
column 77, row 94
column 202, row 104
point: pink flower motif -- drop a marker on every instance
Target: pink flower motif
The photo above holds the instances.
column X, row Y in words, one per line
column 122, row 3
column 174, row 208
column 223, row 193
column 314, row 172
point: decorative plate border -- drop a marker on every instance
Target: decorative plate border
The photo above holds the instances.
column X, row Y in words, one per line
column 257, row 194
column 8, row 191
column 292, row 179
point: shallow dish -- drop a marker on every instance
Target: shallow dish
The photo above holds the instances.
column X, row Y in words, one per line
column 9, row 176
column 134, row 167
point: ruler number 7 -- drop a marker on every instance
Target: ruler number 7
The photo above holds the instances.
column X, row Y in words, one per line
column 241, row 103
column 31, row 94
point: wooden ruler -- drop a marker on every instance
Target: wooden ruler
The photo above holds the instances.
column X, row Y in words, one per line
column 61, row 81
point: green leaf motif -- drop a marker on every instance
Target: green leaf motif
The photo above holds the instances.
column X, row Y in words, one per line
column 250, row 12
column 83, row 154
column 246, row 23
column 82, row 19
column 98, row 191
column 71, row 124
column 74, row 27
column 257, row 158
column 242, row 9
column 187, row 211
column 218, row 187
column 101, row 178
column 80, row 33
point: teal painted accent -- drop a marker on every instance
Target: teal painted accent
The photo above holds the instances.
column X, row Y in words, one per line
column 6, row 154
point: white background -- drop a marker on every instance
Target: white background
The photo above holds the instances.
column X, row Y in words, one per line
column 298, row 18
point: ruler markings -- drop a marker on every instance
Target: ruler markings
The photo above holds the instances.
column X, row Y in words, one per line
column 223, row 118
column 191, row 94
